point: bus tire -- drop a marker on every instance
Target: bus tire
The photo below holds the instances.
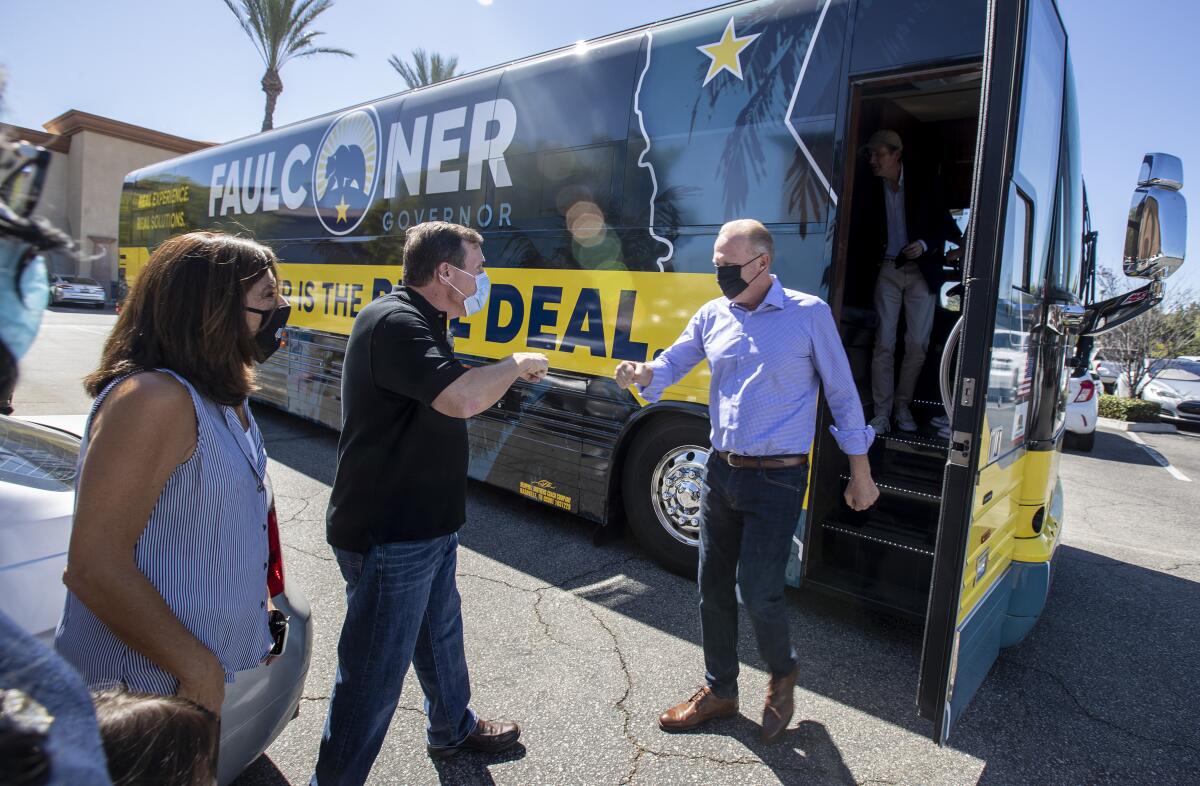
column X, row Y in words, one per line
column 661, row 484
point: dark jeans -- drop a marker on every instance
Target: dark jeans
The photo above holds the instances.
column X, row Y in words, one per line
column 402, row 606
column 750, row 516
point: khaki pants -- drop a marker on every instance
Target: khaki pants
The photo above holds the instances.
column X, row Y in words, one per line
column 895, row 286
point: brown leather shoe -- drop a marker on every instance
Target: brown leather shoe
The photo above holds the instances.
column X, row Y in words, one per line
column 702, row 707
column 488, row 737
column 780, row 704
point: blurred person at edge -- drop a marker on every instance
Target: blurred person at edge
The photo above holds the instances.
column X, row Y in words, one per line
column 48, row 732
column 166, row 569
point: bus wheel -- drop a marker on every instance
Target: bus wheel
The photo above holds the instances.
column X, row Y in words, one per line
column 662, row 483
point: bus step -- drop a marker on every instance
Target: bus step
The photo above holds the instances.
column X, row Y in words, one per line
column 879, row 568
column 911, row 459
column 907, row 487
column 886, row 538
column 916, row 442
column 894, row 518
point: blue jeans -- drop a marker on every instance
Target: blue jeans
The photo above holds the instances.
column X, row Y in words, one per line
column 402, row 606
column 749, row 518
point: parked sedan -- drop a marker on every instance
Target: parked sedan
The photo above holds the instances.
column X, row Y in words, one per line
column 76, row 289
column 1175, row 385
column 1083, row 412
column 37, row 499
column 1109, row 371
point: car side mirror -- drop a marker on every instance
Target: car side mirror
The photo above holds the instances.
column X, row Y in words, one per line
column 1156, row 234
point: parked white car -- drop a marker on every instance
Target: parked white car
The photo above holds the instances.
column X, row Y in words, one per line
column 77, row 289
column 37, row 500
column 1083, row 412
column 1109, row 371
column 1175, row 386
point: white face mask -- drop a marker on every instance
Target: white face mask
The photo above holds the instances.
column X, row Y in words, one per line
column 473, row 304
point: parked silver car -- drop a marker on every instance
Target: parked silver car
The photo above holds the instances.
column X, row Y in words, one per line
column 77, row 289
column 37, row 501
column 1175, row 385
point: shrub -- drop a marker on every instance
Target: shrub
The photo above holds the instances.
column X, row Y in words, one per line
column 1133, row 410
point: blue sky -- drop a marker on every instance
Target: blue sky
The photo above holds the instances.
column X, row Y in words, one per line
column 185, row 67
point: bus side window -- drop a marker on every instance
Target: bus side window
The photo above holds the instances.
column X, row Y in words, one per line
column 1019, row 239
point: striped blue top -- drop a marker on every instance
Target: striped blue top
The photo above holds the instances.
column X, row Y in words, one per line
column 204, row 549
column 766, row 367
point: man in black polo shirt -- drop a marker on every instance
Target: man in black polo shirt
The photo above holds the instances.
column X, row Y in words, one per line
column 399, row 497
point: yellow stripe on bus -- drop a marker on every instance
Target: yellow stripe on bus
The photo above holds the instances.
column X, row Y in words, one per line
column 585, row 321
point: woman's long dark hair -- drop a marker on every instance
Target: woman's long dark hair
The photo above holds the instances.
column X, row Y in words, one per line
column 152, row 740
column 186, row 313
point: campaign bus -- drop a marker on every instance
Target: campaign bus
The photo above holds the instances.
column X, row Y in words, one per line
column 599, row 175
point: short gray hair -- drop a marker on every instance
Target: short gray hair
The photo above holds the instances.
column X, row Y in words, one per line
column 429, row 244
column 753, row 231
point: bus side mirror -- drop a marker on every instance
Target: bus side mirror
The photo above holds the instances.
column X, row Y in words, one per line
column 1156, row 235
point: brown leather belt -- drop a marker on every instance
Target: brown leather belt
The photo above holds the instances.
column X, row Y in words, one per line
column 762, row 462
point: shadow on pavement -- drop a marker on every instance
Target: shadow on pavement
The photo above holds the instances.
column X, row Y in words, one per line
column 308, row 448
column 473, row 768
column 262, row 772
column 1111, row 446
column 72, row 308
column 1103, row 689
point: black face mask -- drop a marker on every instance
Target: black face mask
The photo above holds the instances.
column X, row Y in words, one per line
column 729, row 278
column 270, row 333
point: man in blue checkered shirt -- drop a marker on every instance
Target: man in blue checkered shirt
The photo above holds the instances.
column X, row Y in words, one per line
column 769, row 350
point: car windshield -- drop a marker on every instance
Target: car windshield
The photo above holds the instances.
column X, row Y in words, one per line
column 88, row 282
column 1179, row 371
column 36, row 456
column 1178, row 375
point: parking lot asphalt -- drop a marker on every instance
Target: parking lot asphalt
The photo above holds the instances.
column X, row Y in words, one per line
column 585, row 644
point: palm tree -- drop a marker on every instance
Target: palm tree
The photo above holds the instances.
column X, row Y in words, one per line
column 425, row 68
column 280, row 31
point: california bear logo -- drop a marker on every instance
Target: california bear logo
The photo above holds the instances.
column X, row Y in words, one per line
column 344, row 173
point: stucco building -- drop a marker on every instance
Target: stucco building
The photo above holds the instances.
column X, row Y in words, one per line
column 90, row 156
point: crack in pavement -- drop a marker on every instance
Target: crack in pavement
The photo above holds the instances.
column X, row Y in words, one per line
column 1179, row 566
column 539, row 592
column 640, row 748
column 539, row 595
column 1087, row 712
column 307, row 553
column 296, row 513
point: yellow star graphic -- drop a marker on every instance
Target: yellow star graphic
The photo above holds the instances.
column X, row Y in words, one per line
column 726, row 53
column 342, row 207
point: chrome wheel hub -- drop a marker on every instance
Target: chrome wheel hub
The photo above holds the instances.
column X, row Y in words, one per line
column 676, row 487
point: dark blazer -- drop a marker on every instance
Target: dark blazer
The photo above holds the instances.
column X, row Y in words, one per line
column 927, row 220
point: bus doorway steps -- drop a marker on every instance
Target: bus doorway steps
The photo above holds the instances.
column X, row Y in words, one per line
column 873, row 573
column 877, row 562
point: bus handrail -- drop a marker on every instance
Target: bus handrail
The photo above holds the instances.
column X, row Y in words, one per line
column 947, row 356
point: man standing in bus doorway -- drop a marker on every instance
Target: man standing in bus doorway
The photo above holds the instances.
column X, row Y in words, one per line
column 769, row 349
column 398, row 500
column 902, row 226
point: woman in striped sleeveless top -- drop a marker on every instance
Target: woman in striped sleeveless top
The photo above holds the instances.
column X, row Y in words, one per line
column 166, row 570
